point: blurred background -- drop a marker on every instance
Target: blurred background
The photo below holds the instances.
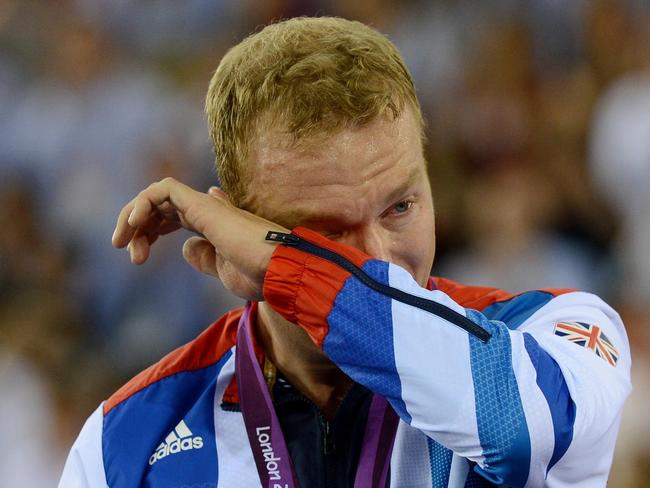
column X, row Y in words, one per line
column 539, row 147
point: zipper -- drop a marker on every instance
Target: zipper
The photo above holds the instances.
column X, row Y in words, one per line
column 327, row 447
column 328, row 443
column 430, row 306
column 328, row 454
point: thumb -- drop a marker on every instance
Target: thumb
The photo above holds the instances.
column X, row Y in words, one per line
column 201, row 255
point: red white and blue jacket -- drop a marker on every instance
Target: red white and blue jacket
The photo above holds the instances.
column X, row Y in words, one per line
column 491, row 388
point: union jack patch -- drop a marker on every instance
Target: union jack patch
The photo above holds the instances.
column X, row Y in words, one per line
column 589, row 336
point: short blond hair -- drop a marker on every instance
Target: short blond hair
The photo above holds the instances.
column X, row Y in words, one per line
column 312, row 77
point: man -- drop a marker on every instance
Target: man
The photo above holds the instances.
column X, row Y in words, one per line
column 350, row 366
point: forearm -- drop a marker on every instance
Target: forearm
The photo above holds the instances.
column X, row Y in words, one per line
column 502, row 402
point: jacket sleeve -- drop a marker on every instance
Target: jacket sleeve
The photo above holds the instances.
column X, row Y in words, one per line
column 524, row 404
column 84, row 467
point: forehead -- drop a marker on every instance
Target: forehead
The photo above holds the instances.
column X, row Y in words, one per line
column 341, row 177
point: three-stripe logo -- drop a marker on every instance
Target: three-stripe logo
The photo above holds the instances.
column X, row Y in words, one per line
column 178, row 440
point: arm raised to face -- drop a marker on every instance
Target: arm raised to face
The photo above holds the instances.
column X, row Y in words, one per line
column 232, row 245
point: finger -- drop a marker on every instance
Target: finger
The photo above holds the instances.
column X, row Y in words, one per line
column 201, row 255
column 157, row 226
column 167, row 227
column 142, row 211
column 172, row 200
column 167, row 190
column 123, row 231
column 131, row 219
column 139, row 247
column 218, row 193
column 137, row 212
column 150, row 204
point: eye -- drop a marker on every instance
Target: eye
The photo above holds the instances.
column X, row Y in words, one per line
column 333, row 236
column 402, row 207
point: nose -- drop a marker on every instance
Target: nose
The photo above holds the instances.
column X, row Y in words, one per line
column 371, row 240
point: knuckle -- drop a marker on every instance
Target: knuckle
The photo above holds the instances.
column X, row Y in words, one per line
column 144, row 192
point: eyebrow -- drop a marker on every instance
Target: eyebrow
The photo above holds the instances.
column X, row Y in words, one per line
column 306, row 217
column 399, row 191
column 310, row 219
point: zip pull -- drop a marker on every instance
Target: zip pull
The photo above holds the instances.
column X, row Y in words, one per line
column 288, row 239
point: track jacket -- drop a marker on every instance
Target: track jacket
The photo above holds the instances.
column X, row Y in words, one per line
column 491, row 388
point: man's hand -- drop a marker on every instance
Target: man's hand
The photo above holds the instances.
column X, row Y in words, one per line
column 233, row 249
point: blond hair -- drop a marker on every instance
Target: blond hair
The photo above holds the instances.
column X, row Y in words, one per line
column 312, row 77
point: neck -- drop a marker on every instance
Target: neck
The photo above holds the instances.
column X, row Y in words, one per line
column 304, row 365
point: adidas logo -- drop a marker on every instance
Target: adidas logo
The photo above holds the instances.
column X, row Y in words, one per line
column 179, row 439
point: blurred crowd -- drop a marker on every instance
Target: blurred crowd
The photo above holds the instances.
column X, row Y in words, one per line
column 539, row 151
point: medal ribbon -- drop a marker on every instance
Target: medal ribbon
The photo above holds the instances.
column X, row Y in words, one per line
column 265, row 436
